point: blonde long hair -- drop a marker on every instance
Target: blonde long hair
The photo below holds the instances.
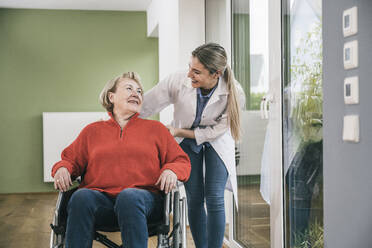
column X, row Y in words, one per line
column 214, row 58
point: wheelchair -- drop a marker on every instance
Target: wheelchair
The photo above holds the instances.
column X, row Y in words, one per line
column 172, row 204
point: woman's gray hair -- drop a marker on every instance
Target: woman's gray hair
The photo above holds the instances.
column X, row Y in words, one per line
column 111, row 87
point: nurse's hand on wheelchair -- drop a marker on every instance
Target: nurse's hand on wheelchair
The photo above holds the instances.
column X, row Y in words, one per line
column 62, row 179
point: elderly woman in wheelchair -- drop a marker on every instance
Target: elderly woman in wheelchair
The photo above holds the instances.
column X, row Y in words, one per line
column 126, row 165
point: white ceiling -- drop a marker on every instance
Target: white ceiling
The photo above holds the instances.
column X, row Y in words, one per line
column 124, row 5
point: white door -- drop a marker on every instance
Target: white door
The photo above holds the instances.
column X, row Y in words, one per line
column 255, row 43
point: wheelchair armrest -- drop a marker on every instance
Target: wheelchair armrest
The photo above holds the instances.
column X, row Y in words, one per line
column 59, row 225
column 167, row 208
column 162, row 226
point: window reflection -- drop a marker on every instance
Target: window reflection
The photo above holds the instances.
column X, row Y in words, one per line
column 302, row 123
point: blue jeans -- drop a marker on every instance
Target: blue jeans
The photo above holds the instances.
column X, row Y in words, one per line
column 130, row 210
column 207, row 229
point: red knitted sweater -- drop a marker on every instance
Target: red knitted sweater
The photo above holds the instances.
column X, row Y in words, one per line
column 115, row 159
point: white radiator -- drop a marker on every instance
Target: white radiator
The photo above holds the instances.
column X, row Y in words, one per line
column 60, row 129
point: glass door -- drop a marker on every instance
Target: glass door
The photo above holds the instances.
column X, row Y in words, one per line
column 251, row 219
column 255, row 49
column 257, row 222
column 302, row 123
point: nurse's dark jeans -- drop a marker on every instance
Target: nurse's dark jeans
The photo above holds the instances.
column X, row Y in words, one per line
column 207, row 228
column 132, row 208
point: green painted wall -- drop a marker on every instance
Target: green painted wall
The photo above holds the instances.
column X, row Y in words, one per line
column 55, row 61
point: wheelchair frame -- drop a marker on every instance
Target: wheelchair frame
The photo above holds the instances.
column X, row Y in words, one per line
column 176, row 239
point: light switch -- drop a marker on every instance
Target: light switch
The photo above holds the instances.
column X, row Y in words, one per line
column 351, row 54
column 351, row 128
column 351, row 90
column 350, row 21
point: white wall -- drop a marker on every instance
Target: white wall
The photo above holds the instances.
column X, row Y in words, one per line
column 251, row 147
column 180, row 28
column 218, row 24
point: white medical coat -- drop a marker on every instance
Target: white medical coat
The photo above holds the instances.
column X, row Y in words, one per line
column 177, row 89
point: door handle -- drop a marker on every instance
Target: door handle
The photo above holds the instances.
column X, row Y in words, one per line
column 263, row 100
column 264, row 107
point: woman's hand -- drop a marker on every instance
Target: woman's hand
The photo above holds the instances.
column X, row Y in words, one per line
column 62, row 179
column 181, row 132
column 173, row 130
column 167, row 181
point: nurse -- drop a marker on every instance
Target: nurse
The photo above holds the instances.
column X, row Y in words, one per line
column 206, row 122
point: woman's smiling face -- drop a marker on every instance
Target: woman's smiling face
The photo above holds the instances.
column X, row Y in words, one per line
column 200, row 76
column 128, row 96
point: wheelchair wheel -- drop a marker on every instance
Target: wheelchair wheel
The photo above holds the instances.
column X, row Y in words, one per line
column 57, row 234
column 56, row 240
column 176, row 221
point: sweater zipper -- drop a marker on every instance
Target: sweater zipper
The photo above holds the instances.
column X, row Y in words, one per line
column 121, row 132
